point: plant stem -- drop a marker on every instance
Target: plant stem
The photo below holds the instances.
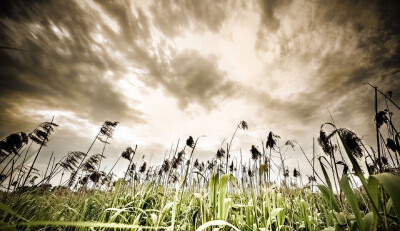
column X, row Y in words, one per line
column 101, row 157
column 130, row 162
column 37, row 154
column 83, row 159
column 377, row 131
column 47, row 168
column 229, row 147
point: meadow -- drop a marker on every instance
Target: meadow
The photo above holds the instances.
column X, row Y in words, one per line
column 353, row 186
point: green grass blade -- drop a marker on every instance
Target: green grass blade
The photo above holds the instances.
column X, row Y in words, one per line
column 370, row 221
column 216, row 223
column 7, row 209
column 222, row 196
column 328, row 181
column 391, row 184
column 351, row 199
column 359, row 173
column 77, row 224
column 328, row 194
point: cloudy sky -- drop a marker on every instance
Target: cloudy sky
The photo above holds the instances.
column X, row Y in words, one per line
column 169, row 69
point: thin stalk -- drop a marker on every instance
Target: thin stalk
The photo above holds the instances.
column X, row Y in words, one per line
column 101, row 157
column 313, row 164
column 309, row 162
column 387, row 149
column 130, row 162
column 62, row 174
column 23, row 162
column 11, row 179
column 185, row 177
column 383, row 94
column 229, row 147
column 114, row 165
column 37, row 155
column 52, row 167
column 83, row 159
column 51, row 157
column 377, row 131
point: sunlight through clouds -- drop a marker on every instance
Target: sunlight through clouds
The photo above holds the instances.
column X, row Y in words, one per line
column 169, row 69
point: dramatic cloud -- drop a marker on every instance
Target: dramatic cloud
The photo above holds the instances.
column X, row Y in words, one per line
column 176, row 17
column 197, row 78
column 170, row 69
column 324, row 53
column 60, row 64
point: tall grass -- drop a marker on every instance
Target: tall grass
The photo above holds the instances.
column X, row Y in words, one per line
column 356, row 189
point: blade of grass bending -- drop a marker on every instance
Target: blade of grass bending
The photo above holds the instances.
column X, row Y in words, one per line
column 373, row 186
column 200, row 174
column 391, row 184
column 351, row 199
column 328, row 181
column 116, row 192
column 215, row 223
column 328, row 194
column 176, row 201
column 370, row 221
column 222, row 194
column 7, row 209
column 359, row 173
column 212, row 193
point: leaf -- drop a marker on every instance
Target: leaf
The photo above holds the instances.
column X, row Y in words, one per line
column 328, row 181
column 214, row 223
column 7, row 209
column 351, row 199
column 212, row 192
column 391, row 184
column 341, row 219
column 4, row 226
column 154, row 218
column 329, row 229
column 359, row 173
column 370, row 222
column 389, row 204
column 176, row 201
column 328, row 194
column 200, row 174
column 167, row 207
column 276, row 211
column 116, row 192
column 222, row 195
column 373, row 188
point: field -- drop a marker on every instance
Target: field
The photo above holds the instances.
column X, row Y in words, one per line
column 353, row 186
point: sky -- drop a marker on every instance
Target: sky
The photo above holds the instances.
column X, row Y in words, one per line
column 167, row 70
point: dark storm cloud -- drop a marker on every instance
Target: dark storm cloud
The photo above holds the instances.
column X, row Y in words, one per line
column 132, row 27
column 176, row 17
column 268, row 18
column 186, row 75
column 376, row 24
column 376, row 58
column 195, row 78
column 360, row 43
column 56, row 62
column 62, row 65
column 269, row 22
column 189, row 77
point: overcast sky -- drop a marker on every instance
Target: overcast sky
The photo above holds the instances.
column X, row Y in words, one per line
column 169, row 69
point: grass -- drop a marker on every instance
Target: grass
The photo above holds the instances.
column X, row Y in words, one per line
column 357, row 188
column 122, row 207
column 143, row 208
